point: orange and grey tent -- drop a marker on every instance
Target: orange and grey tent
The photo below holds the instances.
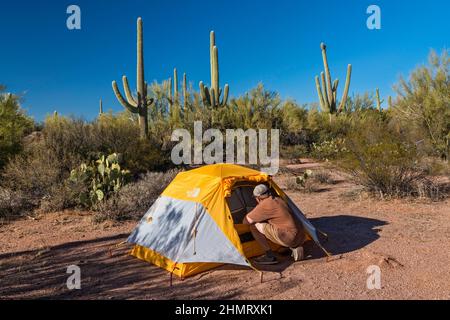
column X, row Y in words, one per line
column 196, row 223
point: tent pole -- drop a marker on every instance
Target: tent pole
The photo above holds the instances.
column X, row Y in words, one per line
column 324, row 234
column 115, row 247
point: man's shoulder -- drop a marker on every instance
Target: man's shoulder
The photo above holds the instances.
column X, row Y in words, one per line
column 271, row 201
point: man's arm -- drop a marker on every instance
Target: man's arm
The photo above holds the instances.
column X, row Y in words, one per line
column 256, row 215
column 247, row 220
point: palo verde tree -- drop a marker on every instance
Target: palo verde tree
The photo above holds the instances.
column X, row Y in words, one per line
column 422, row 106
column 138, row 105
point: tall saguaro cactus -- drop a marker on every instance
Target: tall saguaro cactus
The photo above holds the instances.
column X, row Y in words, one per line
column 211, row 96
column 140, row 104
column 379, row 101
column 328, row 92
column 100, row 111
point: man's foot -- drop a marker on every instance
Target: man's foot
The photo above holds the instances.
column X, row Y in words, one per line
column 297, row 253
column 266, row 259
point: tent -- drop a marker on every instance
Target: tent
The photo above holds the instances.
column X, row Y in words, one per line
column 196, row 223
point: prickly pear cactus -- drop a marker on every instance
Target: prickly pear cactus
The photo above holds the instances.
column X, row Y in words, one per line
column 101, row 177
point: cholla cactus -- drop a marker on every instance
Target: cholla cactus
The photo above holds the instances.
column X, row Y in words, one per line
column 211, row 96
column 138, row 105
column 328, row 92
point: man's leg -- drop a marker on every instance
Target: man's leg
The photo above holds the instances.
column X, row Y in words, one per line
column 259, row 235
column 257, row 231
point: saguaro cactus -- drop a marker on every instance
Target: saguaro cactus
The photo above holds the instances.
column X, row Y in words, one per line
column 100, row 111
column 379, row 101
column 173, row 96
column 211, row 96
column 328, row 92
column 185, row 93
column 140, row 104
column 389, row 102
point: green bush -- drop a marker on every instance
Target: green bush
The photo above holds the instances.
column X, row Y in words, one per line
column 329, row 149
column 14, row 125
column 383, row 163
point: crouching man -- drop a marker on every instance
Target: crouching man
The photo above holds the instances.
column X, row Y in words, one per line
column 272, row 220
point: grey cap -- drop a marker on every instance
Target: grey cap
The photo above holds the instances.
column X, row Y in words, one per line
column 260, row 190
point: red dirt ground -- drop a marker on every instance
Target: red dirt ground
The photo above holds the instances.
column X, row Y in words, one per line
column 409, row 240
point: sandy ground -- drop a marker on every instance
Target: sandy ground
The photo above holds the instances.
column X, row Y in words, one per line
column 408, row 240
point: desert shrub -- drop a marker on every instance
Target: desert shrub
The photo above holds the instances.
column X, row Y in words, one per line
column 427, row 188
column 323, row 177
column 257, row 109
column 42, row 169
column 359, row 103
column 325, row 127
column 383, row 162
column 329, row 149
column 133, row 200
column 293, row 152
column 35, row 172
column 294, row 120
column 68, row 140
column 13, row 203
column 120, row 134
column 14, row 125
column 63, row 196
column 435, row 166
column 73, row 140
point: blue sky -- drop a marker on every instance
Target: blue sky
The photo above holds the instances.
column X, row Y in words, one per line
column 273, row 42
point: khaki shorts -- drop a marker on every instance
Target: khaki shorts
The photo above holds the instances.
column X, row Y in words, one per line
column 273, row 234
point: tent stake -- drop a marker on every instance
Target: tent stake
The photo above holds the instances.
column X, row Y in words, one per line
column 261, row 278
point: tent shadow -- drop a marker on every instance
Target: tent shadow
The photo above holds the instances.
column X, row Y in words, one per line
column 283, row 263
column 345, row 234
